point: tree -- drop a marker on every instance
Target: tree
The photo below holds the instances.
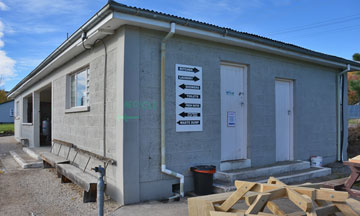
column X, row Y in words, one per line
column 356, row 57
column 354, row 83
column 3, row 97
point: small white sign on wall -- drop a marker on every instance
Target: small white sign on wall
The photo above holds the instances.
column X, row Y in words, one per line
column 188, row 98
column 231, row 119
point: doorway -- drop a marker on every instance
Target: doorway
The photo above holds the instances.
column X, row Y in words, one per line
column 233, row 112
column 284, row 112
column 45, row 116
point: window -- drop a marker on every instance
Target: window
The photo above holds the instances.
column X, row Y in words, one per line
column 17, row 109
column 11, row 112
column 79, row 89
column 28, row 109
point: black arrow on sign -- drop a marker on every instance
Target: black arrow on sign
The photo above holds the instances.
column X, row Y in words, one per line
column 192, row 96
column 189, row 122
column 190, row 105
column 193, row 78
column 191, row 114
column 186, row 69
column 195, row 87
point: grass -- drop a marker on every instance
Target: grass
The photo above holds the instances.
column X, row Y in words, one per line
column 6, row 128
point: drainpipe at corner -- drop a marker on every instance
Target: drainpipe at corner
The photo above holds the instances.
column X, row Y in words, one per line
column 163, row 143
column 339, row 108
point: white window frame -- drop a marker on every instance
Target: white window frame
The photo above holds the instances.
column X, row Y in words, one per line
column 11, row 112
column 69, row 108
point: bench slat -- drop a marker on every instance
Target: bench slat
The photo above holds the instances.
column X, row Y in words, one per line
column 53, row 159
column 77, row 176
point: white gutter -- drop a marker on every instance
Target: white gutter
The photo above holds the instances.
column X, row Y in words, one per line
column 75, row 35
column 163, row 144
column 339, row 108
column 226, row 39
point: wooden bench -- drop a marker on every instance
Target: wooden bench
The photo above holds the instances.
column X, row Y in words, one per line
column 70, row 172
column 52, row 159
column 86, row 181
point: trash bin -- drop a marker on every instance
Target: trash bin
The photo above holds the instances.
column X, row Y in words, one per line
column 203, row 179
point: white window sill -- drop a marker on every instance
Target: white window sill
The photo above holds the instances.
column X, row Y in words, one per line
column 27, row 124
column 77, row 109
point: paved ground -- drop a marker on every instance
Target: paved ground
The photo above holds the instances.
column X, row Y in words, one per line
column 38, row 191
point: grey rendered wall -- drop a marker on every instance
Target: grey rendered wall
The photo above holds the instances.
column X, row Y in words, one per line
column 5, row 112
column 314, row 100
column 85, row 129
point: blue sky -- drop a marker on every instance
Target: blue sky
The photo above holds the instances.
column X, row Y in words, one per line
column 31, row 29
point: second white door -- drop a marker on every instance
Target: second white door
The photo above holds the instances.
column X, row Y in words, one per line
column 284, row 119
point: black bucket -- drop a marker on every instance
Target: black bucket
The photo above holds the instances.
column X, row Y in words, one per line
column 203, row 179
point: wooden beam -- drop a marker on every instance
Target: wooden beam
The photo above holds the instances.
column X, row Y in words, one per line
column 354, row 204
column 345, row 209
column 236, row 196
column 258, row 204
column 274, row 208
column 303, row 203
column 273, row 180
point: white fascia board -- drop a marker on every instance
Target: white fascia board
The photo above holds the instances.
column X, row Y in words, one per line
column 73, row 50
column 212, row 36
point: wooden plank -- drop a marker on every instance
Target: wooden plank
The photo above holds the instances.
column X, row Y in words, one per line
column 53, row 159
column 345, row 209
column 236, row 196
column 331, row 195
column 273, row 180
column 199, row 207
column 258, row 204
column 303, row 203
column 354, row 204
column 77, row 175
column 274, row 208
column 298, row 213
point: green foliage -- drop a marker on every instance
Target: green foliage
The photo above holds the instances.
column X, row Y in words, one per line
column 356, row 57
column 7, row 128
column 3, row 97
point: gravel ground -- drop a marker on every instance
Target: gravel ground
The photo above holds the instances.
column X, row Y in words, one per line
column 39, row 191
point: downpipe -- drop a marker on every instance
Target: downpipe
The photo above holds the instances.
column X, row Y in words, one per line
column 100, row 189
column 163, row 144
column 339, row 109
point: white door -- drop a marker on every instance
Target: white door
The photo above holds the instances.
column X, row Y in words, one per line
column 233, row 112
column 284, row 119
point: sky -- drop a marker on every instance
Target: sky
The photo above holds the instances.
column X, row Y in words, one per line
column 31, row 29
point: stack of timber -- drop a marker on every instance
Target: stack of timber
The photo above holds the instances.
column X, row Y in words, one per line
column 355, row 159
column 311, row 199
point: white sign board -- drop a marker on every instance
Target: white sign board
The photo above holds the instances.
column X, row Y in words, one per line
column 231, row 119
column 188, row 98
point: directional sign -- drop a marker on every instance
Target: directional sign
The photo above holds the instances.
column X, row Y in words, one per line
column 188, row 98
column 190, row 114
column 193, row 96
column 195, row 87
column 193, row 78
column 188, row 122
column 190, row 105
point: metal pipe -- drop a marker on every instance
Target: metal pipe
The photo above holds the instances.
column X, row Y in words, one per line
column 100, row 189
column 339, row 89
column 163, row 143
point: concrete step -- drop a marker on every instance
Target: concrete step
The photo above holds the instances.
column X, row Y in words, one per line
column 35, row 152
column 26, row 161
column 293, row 177
column 270, row 170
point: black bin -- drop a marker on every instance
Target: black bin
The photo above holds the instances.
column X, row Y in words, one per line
column 203, row 179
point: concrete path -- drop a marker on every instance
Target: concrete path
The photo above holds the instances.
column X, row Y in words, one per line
column 154, row 208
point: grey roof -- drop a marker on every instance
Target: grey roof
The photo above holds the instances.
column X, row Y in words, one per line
column 186, row 22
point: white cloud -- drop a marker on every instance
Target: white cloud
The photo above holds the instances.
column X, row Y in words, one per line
column 7, row 64
column 3, row 6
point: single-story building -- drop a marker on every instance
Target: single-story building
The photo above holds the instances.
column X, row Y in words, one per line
column 7, row 112
column 160, row 93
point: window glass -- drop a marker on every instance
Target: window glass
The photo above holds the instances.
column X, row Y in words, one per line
column 78, row 89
